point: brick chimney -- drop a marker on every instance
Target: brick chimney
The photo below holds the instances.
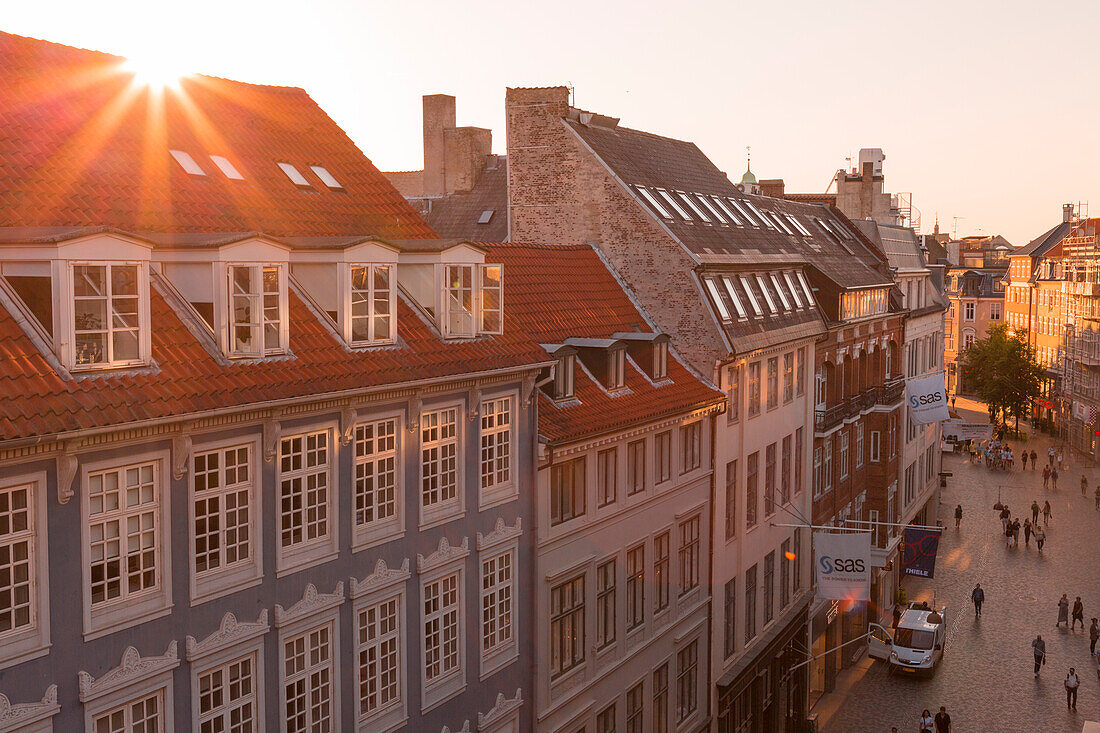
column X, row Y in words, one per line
column 773, row 187
column 541, row 159
column 439, row 115
column 866, row 191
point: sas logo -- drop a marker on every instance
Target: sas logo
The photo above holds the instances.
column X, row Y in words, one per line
column 926, row 399
column 840, row 565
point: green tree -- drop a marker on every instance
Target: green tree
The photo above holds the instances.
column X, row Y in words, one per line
column 1004, row 372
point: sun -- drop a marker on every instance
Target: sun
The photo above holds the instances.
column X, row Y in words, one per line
column 153, row 71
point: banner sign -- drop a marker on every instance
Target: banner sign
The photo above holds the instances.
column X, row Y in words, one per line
column 843, row 565
column 960, row 430
column 927, row 399
column 918, row 552
column 1083, row 412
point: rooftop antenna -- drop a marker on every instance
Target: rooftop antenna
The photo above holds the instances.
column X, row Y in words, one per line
column 955, row 226
column 572, row 94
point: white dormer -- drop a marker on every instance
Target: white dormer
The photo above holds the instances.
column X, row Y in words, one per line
column 251, row 305
column 453, row 283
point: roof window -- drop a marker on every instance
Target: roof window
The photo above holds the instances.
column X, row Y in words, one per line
column 326, row 178
column 798, row 225
column 257, row 316
column 794, row 289
column 733, row 217
column 805, row 287
column 294, row 174
column 779, row 290
column 675, row 206
column 694, row 206
column 782, row 224
column 767, row 294
column 486, row 216
column 744, row 212
column 616, row 368
column 652, row 201
column 734, row 297
column 472, row 306
column 227, row 168
column 723, row 311
column 752, row 296
column 712, row 208
column 187, row 162
column 110, row 315
column 760, row 215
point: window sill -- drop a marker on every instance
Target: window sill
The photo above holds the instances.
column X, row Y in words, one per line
column 385, row 721
column 224, row 582
column 438, row 517
column 20, row 650
column 493, row 662
column 306, row 558
column 105, row 621
column 440, row 691
column 567, row 680
column 364, row 536
column 496, row 496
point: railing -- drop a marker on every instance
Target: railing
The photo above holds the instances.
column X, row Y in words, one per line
column 890, row 393
column 831, row 416
column 885, row 394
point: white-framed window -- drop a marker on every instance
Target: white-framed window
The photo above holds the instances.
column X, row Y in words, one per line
column 491, row 316
column 307, row 532
column 635, row 587
column 567, row 641
column 859, row 445
column 567, row 490
column 379, row 500
column 135, row 696
column 440, row 466
column 227, row 677
column 309, row 679
column 564, row 377
column 635, row 467
column 687, row 681
column 125, row 554
column 110, row 314
column 660, row 360
column 372, row 318
column 662, row 444
column 472, row 306
column 968, row 311
column 827, row 464
column 733, row 411
column 691, row 446
column 24, row 586
column 145, row 713
column 497, row 456
column 606, row 481
column 225, row 511
column 498, row 609
column 616, row 368
column 380, row 661
column 442, row 629
column 754, row 389
column 844, row 442
column 257, row 310
column 689, row 555
column 606, row 604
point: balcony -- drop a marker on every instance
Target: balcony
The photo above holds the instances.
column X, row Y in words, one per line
column 830, row 417
column 891, row 392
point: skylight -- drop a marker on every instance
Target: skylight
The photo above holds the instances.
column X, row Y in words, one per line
column 781, row 223
column 794, row 290
column 734, row 297
column 187, row 162
column 694, row 206
column 767, row 294
column 805, row 287
column 652, row 201
column 798, row 225
column 779, row 290
column 748, row 217
column 675, row 206
column 733, row 217
column 714, row 294
column 712, row 208
column 227, row 168
column 760, row 215
column 294, row 174
column 752, row 296
column 326, row 178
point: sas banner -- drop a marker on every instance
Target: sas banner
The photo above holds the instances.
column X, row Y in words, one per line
column 843, row 565
column 927, row 399
column 918, row 552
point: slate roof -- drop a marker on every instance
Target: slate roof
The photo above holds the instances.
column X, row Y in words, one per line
column 1045, row 241
column 82, row 145
column 560, row 292
column 457, row 214
column 898, row 243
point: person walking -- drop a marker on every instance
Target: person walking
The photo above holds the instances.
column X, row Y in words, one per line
column 1047, row 514
column 943, row 721
column 1015, row 530
column 1040, row 537
column 958, row 515
column 1078, row 614
column 1006, row 517
column 1046, row 477
column 1023, row 456
column 1050, row 456
column 1039, row 647
column 1094, row 635
column 1063, row 611
column 1027, row 533
column 978, row 597
column 1034, row 461
column 1096, row 658
column 1035, row 512
column 1072, row 683
column 1054, row 480
column 1084, row 485
column 926, row 722
column 1097, row 495
column 1061, row 459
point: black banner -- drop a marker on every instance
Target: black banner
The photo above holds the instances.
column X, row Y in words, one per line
column 918, row 552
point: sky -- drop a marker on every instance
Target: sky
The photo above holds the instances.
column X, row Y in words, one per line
column 987, row 111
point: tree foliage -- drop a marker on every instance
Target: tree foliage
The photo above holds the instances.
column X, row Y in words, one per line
column 1004, row 372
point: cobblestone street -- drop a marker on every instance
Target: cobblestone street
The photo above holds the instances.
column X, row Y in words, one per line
column 985, row 678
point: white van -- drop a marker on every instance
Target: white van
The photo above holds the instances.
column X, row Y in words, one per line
column 916, row 645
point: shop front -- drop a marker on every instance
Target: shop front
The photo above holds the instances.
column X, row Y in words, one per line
column 824, row 636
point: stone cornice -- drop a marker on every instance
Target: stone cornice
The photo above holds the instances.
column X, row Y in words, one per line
column 312, row 603
column 230, row 633
column 18, row 716
column 382, row 577
column 502, row 709
column 445, row 554
column 501, row 533
column 134, row 668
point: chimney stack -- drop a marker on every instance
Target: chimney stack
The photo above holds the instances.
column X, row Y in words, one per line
column 1067, row 213
column 439, row 115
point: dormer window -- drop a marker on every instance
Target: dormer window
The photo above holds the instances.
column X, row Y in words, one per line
column 564, row 378
column 660, row 360
column 257, row 310
column 373, row 302
column 616, row 368
column 110, row 315
column 472, row 307
column 458, row 301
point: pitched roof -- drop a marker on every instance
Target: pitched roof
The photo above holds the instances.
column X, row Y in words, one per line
column 1045, row 241
column 82, row 145
column 561, row 292
column 187, row 379
column 459, row 214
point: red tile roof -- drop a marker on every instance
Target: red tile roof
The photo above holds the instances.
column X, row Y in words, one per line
column 36, row 401
column 82, row 145
column 555, row 293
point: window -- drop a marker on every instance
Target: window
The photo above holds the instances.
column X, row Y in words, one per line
column 293, row 174
column 496, row 449
column 767, row 294
column 373, row 304
column 439, row 463
column 109, row 316
column 785, row 480
column 798, row 461
column 968, row 338
column 780, row 291
column 144, row 714
column 605, row 476
column 305, row 500
column 754, row 388
column 567, row 491
column 458, row 301
column 769, row 480
column 660, row 360
column 257, row 307
column 223, row 516
column 859, row 445
column 729, row 634
column 800, row 361
column 635, row 467
column 566, row 626
column 187, row 162
column 124, row 533
column 563, row 377
column 750, row 604
column 844, row 438
column 635, row 587
column 326, row 178
column 380, row 656
column 773, row 382
column 687, row 681
column 635, row 704
column 441, row 610
column 661, row 571
column 689, row 555
column 733, row 413
column 497, row 592
column 653, row 202
column 308, row 680
column 769, row 586
column 691, row 446
column 376, row 474
column 668, row 197
column 492, row 299
column 731, row 290
column 784, row 574
column 663, row 444
column 723, row 310
column 819, row 479
column 227, row 698
column 752, row 296
column 751, row 496
column 605, row 721
column 827, row 464
column 660, row 699
column 23, row 592
column 797, row 560
column 695, row 207
column 788, row 377
column 605, row 604
column 968, row 312
column 875, row 447
column 731, row 499
column 796, row 290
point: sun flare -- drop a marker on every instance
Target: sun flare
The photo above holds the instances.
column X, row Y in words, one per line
column 155, row 72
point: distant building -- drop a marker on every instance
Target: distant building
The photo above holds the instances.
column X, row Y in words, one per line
column 975, row 291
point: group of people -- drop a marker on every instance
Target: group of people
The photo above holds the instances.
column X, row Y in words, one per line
column 996, row 454
column 1011, row 527
column 941, row 723
column 1039, row 647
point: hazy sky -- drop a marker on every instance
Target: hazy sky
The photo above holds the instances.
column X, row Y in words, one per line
column 986, row 110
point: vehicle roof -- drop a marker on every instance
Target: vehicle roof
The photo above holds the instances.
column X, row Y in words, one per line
column 917, row 619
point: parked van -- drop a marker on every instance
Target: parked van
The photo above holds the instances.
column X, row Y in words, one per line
column 916, row 645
